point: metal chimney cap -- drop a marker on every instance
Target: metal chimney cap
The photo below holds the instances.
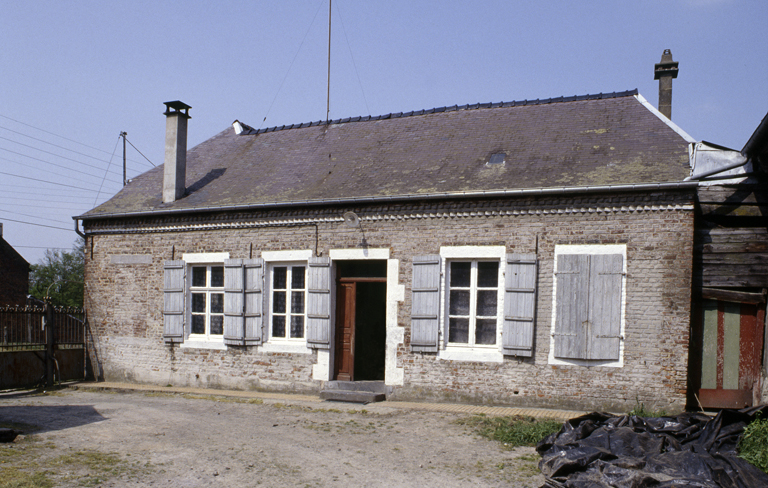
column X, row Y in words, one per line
column 176, row 107
column 666, row 67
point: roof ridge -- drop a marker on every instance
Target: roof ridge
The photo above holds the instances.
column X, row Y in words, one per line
column 452, row 108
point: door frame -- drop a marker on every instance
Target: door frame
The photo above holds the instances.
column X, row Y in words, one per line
column 345, row 316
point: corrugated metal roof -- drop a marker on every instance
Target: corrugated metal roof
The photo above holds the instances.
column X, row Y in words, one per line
column 590, row 140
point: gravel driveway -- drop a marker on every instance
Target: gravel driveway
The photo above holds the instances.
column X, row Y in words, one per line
column 92, row 438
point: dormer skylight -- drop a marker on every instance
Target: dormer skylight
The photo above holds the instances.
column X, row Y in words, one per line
column 497, row 158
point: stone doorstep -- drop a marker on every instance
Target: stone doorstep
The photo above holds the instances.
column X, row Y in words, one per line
column 337, row 395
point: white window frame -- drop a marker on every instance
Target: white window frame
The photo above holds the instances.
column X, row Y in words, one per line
column 208, row 290
column 288, row 291
column 471, row 351
column 591, row 249
column 196, row 340
column 279, row 344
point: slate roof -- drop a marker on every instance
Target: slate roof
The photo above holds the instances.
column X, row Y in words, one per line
column 592, row 140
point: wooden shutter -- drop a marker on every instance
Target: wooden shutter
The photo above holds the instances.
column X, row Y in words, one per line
column 319, row 302
column 425, row 303
column 605, row 279
column 572, row 311
column 519, row 304
column 243, row 301
column 174, row 277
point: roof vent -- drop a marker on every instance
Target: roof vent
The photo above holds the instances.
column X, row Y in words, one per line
column 497, row 158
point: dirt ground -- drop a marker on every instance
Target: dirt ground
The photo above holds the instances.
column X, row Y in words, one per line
column 91, row 438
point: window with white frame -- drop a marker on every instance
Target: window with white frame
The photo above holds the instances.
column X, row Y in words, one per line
column 287, row 307
column 206, row 293
column 472, row 302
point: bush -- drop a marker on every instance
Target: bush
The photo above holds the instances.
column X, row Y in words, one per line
column 513, row 431
column 753, row 446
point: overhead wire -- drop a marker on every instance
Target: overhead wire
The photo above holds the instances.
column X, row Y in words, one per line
column 137, row 150
column 60, row 147
column 60, row 136
column 46, row 181
column 33, row 216
column 105, row 174
column 48, row 152
column 354, row 65
column 320, row 5
column 39, row 225
column 53, row 164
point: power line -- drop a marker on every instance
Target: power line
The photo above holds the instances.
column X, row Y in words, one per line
column 51, row 153
column 354, row 65
column 37, row 193
column 43, row 247
column 56, row 145
column 63, row 206
column 57, row 135
column 105, row 175
column 52, row 164
column 39, row 225
column 33, row 216
column 45, row 181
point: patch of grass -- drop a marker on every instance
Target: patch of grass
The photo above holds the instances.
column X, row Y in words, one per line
column 753, row 445
column 641, row 411
column 16, row 478
column 512, row 431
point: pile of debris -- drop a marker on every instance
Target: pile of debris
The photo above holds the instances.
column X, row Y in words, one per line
column 691, row 449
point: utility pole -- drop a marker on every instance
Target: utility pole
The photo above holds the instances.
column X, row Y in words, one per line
column 328, row 94
column 49, row 342
column 125, row 179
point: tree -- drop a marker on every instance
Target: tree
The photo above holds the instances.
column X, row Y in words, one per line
column 60, row 275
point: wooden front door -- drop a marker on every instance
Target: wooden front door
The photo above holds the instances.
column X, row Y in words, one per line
column 732, row 343
column 345, row 331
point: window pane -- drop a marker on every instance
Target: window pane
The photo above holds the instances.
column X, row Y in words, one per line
column 297, row 326
column 217, row 276
column 459, row 302
column 279, row 276
column 217, row 324
column 198, row 324
column 278, row 326
column 485, row 331
column 486, row 303
column 460, row 273
column 198, row 276
column 198, row 302
column 278, row 302
column 217, row 303
column 458, row 330
column 297, row 302
column 488, row 274
column 297, row 277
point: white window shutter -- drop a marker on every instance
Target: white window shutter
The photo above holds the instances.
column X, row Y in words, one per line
column 174, row 278
column 519, row 304
column 605, row 280
column 319, row 302
column 242, row 301
column 572, row 312
column 425, row 303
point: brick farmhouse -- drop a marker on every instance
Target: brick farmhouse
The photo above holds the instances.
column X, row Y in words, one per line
column 535, row 253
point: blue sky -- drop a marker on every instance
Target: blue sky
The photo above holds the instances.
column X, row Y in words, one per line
column 76, row 73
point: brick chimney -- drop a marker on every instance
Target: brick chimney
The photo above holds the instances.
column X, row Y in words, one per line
column 175, row 167
column 665, row 72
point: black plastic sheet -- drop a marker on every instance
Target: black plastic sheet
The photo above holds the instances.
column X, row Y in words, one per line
column 689, row 450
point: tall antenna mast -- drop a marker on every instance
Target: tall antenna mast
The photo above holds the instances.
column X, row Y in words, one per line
column 328, row 93
column 125, row 175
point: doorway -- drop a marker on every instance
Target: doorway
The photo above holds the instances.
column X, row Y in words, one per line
column 361, row 292
column 732, row 343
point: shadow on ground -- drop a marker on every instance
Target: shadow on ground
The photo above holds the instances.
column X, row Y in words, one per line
column 47, row 418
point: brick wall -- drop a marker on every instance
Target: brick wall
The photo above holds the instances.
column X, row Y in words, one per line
column 125, row 300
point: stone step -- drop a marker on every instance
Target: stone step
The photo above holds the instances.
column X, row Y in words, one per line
column 338, row 395
column 370, row 386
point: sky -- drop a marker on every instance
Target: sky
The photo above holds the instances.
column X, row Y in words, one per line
column 75, row 74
